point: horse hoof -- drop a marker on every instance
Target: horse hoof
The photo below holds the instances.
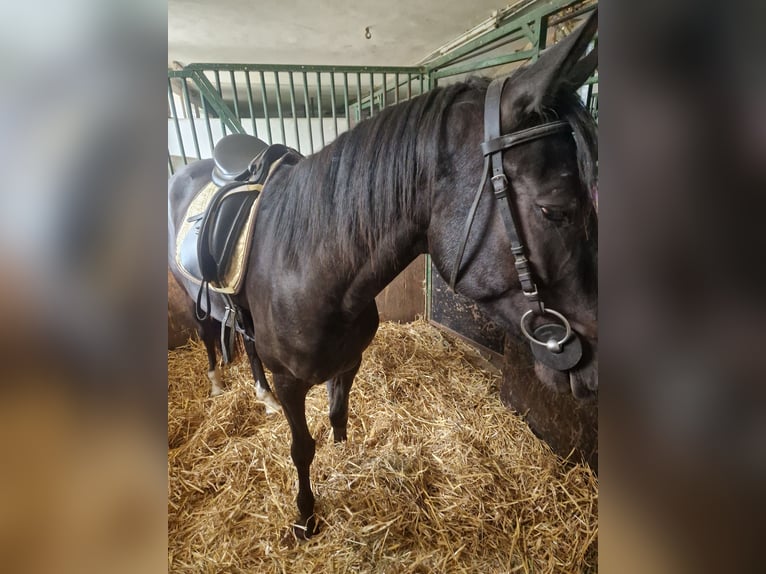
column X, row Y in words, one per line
column 215, row 381
column 273, row 411
column 305, row 532
column 215, row 391
column 267, row 398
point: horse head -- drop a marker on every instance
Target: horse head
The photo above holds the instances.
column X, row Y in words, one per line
column 524, row 247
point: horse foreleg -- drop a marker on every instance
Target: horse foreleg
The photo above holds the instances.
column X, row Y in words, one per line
column 208, row 331
column 262, row 390
column 292, row 395
column 338, row 389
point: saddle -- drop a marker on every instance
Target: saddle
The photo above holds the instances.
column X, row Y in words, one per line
column 215, row 235
column 233, row 157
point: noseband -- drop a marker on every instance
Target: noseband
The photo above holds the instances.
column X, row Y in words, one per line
column 553, row 344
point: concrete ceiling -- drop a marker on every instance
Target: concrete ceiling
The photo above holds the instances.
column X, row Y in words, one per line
column 311, row 32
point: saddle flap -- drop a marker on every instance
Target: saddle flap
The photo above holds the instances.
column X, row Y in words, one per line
column 220, row 228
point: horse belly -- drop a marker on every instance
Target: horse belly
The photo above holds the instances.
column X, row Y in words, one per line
column 315, row 351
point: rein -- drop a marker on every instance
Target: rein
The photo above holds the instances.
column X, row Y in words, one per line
column 554, row 344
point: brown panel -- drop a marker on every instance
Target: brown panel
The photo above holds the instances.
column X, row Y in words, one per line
column 566, row 424
column 460, row 315
column 404, row 298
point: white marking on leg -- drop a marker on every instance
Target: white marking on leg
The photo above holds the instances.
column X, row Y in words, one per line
column 215, row 378
column 267, row 398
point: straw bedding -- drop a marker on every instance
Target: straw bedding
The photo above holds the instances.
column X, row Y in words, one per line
column 437, row 475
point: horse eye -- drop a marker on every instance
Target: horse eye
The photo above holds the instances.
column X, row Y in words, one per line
column 555, row 215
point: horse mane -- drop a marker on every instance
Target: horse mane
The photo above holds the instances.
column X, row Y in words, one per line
column 584, row 131
column 366, row 180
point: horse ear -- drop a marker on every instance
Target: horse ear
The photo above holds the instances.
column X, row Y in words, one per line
column 560, row 67
column 582, row 70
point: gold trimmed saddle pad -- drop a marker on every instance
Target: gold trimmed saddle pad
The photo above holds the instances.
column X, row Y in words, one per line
column 233, row 264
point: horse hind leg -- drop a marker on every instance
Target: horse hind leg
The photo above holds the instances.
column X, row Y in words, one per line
column 262, row 390
column 292, row 395
column 209, row 330
column 338, row 389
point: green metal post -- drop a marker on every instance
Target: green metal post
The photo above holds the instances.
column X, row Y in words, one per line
column 359, row 96
column 383, row 100
column 372, row 96
column 191, row 119
column 249, row 86
column 345, row 99
column 175, row 120
column 265, row 103
column 207, row 121
column 308, row 110
column 279, row 107
column 220, row 97
column 319, row 106
column 234, row 89
column 295, row 114
column 332, row 102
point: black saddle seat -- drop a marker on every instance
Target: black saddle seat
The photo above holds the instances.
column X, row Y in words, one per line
column 233, row 155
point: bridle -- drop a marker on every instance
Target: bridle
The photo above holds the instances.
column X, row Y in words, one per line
column 553, row 344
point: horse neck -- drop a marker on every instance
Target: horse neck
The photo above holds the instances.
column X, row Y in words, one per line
column 384, row 264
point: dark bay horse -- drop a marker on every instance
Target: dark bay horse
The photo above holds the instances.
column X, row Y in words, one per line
column 333, row 230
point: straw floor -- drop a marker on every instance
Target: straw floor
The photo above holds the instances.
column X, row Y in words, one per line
column 437, row 475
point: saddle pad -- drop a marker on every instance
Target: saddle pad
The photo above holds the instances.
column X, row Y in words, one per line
column 186, row 241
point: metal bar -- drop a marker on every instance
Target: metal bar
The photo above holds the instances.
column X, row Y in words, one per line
column 220, row 96
column 574, row 14
column 384, row 100
column 207, row 122
column 541, row 29
column 359, row 95
column 319, row 106
column 265, row 103
column 345, row 100
column 372, row 95
column 514, row 25
column 472, row 66
column 174, row 113
column 295, row 114
column 421, row 83
column 409, row 86
column 234, row 89
column 250, row 102
column 207, row 90
column 170, row 164
column 279, row 108
column 396, row 94
column 191, row 119
column 528, row 32
column 308, row 110
column 332, row 102
column 239, row 67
